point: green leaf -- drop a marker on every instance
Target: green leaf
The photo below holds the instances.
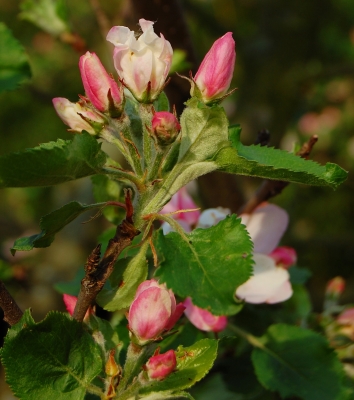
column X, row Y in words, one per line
column 270, row 163
column 49, row 15
column 104, row 335
column 52, row 163
column 298, row 362
column 51, row 224
column 14, row 67
column 162, row 103
column 105, row 189
column 193, row 363
column 26, row 321
column 213, row 388
column 127, row 275
column 54, row 359
column 209, row 266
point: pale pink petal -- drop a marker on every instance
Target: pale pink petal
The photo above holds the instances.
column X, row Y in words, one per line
column 284, row 292
column 266, row 225
column 203, row 319
column 212, row 216
column 175, row 316
column 267, row 282
column 346, row 317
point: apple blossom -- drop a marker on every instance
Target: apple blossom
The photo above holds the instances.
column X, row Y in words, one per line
column 142, row 64
column 203, row 319
column 100, row 87
column 153, row 311
column 78, row 117
column 165, row 127
column 269, row 283
column 161, row 365
column 215, row 73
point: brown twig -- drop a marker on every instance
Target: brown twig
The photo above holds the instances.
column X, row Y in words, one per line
column 12, row 312
column 270, row 188
column 97, row 272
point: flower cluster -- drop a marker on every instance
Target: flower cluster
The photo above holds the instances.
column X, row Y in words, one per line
column 266, row 225
column 142, row 65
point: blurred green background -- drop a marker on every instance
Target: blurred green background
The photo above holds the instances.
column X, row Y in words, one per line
column 295, row 77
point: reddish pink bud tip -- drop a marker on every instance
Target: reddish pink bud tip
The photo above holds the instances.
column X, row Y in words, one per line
column 165, row 127
column 161, row 365
column 70, row 303
column 216, row 70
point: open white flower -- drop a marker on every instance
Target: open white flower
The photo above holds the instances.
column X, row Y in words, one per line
column 143, row 64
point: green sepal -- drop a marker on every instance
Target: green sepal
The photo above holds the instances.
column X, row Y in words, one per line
column 14, row 67
column 298, row 362
column 121, row 287
column 54, row 359
column 207, row 265
column 270, row 163
column 51, row 224
column 53, row 163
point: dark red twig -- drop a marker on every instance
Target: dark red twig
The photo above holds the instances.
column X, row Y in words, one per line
column 98, row 271
column 12, row 312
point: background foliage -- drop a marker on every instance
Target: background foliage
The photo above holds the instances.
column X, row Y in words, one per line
column 294, row 73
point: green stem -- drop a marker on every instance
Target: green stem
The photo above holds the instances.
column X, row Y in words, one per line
column 95, row 390
column 109, row 137
column 253, row 340
column 154, row 170
column 117, row 173
column 136, row 357
column 133, row 150
column 146, row 118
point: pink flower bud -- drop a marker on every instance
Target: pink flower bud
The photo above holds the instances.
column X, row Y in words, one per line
column 153, row 311
column 269, row 283
column 284, row 256
column 165, row 127
column 335, row 287
column 203, row 319
column 161, row 365
column 215, row 72
column 143, row 64
column 100, row 87
column 77, row 117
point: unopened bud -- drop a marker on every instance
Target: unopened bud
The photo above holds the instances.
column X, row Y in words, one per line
column 335, row 287
column 215, row 72
column 165, row 127
column 161, row 365
column 102, row 90
column 77, row 116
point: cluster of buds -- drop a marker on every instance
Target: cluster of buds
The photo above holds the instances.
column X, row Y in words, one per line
column 143, row 65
